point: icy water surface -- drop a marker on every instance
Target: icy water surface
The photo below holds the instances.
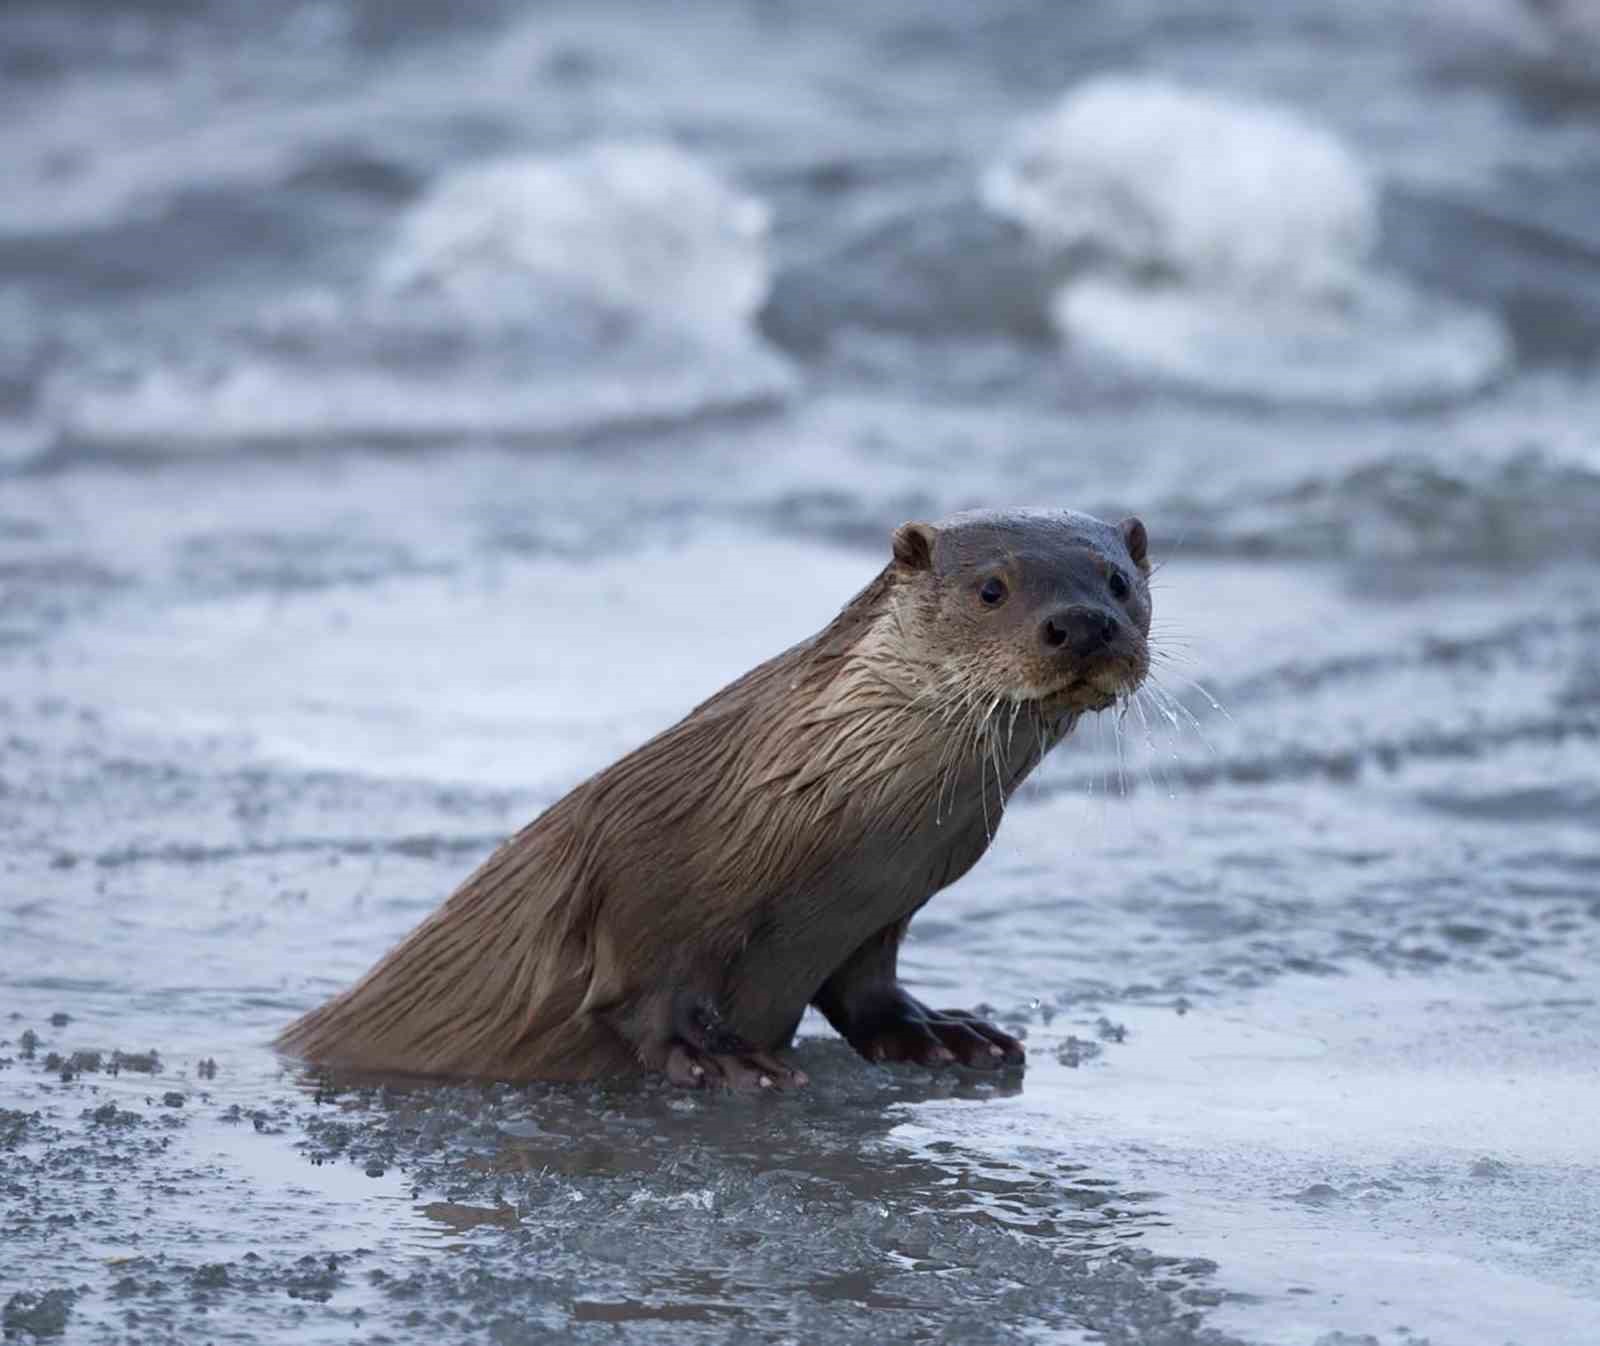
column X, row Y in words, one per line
column 404, row 411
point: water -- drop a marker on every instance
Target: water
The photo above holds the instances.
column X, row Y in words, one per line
column 405, row 412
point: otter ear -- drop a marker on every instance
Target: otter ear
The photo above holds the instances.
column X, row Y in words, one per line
column 1137, row 542
column 913, row 545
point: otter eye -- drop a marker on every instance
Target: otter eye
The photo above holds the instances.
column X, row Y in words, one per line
column 1120, row 588
column 992, row 591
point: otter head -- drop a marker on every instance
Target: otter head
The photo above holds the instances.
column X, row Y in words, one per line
column 1042, row 607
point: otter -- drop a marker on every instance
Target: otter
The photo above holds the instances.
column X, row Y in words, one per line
column 678, row 912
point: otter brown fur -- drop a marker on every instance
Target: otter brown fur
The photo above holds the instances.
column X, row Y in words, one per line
column 678, row 911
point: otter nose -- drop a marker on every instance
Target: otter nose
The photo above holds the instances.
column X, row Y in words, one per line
column 1079, row 631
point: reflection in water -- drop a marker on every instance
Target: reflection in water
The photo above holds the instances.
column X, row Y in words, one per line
column 716, row 1208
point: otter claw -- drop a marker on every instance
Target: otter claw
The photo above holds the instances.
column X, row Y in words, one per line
column 688, row 1068
column 908, row 1031
column 707, row 1051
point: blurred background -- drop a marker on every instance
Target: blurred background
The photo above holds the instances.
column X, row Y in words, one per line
column 407, row 408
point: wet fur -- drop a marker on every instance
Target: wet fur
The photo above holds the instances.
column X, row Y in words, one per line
column 762, row 854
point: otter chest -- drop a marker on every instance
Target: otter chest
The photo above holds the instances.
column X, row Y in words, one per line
column 879, row 880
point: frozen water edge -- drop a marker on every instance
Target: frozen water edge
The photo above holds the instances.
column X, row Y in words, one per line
column 1263, row 1131
column 1363, row 1153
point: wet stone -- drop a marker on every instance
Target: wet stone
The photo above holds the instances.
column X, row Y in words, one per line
column 17, row 1126
column 314, row 1279
column 1109, row 1031
column 37, row 1314
column 1318, row 1194
column 109, row 1114
column 211, row 1276
column 1075, row 1051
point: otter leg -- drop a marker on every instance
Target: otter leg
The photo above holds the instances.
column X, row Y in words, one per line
column 865, row 1002
column 705, row 1051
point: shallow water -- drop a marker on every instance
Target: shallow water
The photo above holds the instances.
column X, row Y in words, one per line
column 315, row 583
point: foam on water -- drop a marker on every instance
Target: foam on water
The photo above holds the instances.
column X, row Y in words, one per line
column 1226, row 244
column 191, row 409
column 1383, row 342
column 610, row 287
column 1220, row 191
column 626, row 225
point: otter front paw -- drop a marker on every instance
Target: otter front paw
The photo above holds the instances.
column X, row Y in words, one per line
column 705, row 1052
column 906, row 1030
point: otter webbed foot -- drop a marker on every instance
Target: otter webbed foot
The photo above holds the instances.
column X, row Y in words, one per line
column 705, row 1053
column 900, row 1028
column 692, row 1069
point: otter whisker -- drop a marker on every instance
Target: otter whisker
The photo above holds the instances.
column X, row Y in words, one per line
column 942, row 768
column 1175, row 707
column 961, row 707
column 1153, row 772
column 1152, row 765
column 1122, row 765
column 1164, row 705
column 956, row 755
column 1211, row 700
column 1170, row 660
column 1171, row 647
column 1036, row 719
column 1100, row 752
column 982, row 742
column 994, row 752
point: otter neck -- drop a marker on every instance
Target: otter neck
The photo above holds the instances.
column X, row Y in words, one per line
column 959, row 753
